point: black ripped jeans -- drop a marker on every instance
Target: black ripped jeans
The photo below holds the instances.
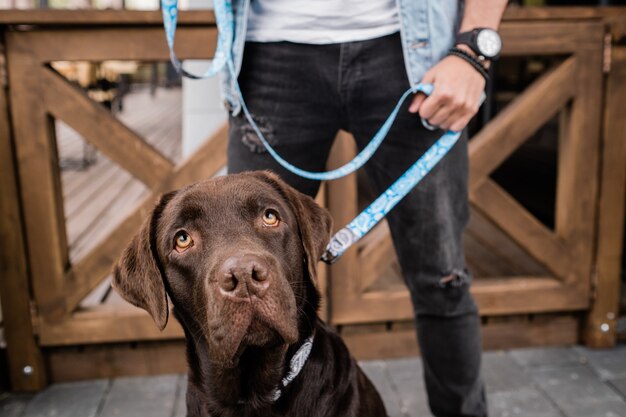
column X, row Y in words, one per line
column 301, row 95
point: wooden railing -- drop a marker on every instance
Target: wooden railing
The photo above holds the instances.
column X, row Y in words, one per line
column 41, row 288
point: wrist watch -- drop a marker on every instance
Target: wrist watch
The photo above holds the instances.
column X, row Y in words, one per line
column 485, row 42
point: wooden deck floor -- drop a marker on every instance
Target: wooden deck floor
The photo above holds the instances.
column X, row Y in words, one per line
column 540, row 382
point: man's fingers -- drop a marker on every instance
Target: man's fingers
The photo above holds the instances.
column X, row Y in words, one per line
column 457, row 112
column 432, row 104
column 454, row 100
column 467, row 109
column 441, row 116
column 460, row 124
column 418, row 99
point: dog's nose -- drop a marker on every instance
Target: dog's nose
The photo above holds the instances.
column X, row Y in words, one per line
column 244, row 275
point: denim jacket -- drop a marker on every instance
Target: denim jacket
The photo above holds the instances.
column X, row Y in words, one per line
column 427, row 29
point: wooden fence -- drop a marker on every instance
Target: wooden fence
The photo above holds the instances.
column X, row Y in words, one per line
column 535, row 270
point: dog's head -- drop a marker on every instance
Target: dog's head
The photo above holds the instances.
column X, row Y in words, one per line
column 237, row 256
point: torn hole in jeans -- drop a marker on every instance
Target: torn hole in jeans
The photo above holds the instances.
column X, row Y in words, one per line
column 251, row 140
column 456, row 278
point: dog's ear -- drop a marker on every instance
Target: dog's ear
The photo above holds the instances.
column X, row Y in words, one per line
column 138, row 276
column 314, row 222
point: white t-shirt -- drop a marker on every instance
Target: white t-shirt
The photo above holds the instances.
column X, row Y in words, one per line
column 321, row 21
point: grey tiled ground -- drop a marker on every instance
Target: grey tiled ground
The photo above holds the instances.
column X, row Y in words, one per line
column 545, row 382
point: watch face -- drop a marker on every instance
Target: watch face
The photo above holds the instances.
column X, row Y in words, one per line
column 489, row 43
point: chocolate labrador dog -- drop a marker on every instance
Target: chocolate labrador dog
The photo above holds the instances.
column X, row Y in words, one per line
column 237, row 256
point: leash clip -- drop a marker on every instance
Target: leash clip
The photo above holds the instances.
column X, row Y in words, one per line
column 339, row 243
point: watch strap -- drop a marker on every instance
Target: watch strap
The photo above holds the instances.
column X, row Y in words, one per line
column 469, row 39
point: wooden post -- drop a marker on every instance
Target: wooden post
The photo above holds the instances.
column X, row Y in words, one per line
column 25, row 360
column 342, row 202
column 37, row 165
column 600, row 330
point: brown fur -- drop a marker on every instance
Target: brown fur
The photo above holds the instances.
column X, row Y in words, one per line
column 246, row 296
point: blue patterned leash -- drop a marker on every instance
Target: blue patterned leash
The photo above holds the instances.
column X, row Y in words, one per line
column 365, row 221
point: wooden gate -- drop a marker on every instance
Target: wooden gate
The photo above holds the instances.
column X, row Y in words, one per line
column 526, row 266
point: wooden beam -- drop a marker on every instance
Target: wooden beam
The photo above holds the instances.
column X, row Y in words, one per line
column 87, row 273
column 100, row 128
column 37, row 162
column 343, row 205
column 112, row 361
column 578, row 165
column 548, row 331
column 601, row 323
column 322, row 269
column 51, row 17
column 495, row 296
column 519, row 120
column 613, row 17
column 100, row 44
column 549, row 37
column 205, row 17
column 521, row 295
column 105, row 324
column 22, row 348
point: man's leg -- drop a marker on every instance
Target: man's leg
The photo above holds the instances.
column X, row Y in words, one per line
column 426, row 228
column 291, row 92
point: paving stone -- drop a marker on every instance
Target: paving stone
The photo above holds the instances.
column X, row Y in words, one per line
column 608, row 363
column 502, row 373
column 377, row 372
column 577, row 391
column 407, row 379
column 619, row 385
column 605, row 409
column 547, row 358
column 76, row 399
column 552, row 382
column 522, row 402
column 181, row 400
column 12, row 405
column 141, row 397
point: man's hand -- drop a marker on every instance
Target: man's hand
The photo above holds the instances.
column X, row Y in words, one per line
column 456, row 94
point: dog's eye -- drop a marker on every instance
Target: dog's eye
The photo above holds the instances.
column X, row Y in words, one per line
column 183, row 241
column 270, row 218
